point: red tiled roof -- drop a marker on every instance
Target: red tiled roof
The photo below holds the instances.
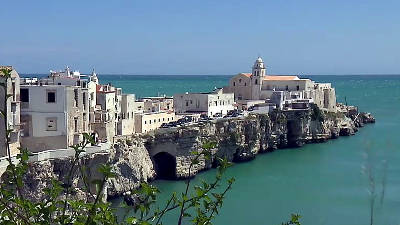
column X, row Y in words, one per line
column 247, row 74
column 281, row 77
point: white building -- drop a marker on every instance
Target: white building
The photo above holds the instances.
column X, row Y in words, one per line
column 156, row 104
column 126, row 123
column 13, row 113
column 104, row 122
column 210, row 103
column 152, row 112
column 260, row 86
column 53, row 115
column 145, row 122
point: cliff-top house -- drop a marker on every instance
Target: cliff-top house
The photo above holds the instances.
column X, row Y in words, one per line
column 208, row 103
column 54, row 111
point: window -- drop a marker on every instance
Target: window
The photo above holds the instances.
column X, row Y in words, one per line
column 145, row 122
column 245, row 84
column 84, row 100
column 298, row 87
column 256, row 82
column 76, row 97
column 234, row 83
column 13, row 91
column 24, row 95
column 51, row 124
column 287, row 88
column 240, row 80
column 187, row 103
column 84, row 123
column 51, row 96
column 76, row 124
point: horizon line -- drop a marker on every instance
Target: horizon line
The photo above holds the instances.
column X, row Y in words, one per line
column 127, row 74
column 301, row 75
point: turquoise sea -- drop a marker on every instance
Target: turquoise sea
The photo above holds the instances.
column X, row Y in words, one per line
column 325, row 183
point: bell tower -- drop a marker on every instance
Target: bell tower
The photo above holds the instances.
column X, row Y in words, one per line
column 257, row 76
column 259, row 68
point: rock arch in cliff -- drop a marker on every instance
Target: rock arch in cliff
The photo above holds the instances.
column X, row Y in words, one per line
column 165, row 165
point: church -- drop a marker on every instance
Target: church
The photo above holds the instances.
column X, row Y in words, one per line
column 260, row 86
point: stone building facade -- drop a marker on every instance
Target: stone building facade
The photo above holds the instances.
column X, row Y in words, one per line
column 258, row 85
column 13, row 112
column 53, row 115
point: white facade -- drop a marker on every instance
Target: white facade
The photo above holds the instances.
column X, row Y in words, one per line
column 53, row 116
column 126, row 124
column 208, row 103
column 145, row 122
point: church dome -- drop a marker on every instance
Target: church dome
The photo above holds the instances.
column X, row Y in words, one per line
column 259, row 63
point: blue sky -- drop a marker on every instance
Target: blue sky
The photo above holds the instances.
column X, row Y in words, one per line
column 202, row 37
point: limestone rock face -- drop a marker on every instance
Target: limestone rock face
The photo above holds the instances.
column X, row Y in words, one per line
column 131, row 163
column 241, row 139
column 134, row 159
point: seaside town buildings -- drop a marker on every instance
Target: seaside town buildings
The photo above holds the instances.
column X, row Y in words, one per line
column 286, row 92
column 53, row 112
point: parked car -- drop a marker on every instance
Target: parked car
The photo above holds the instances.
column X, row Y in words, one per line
column 181, row 121
column 172, row 124
column 187, row 119
column 204, row 117
column 164, row 125
column 218, row 115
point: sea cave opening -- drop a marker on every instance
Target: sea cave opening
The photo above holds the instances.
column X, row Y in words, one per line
column 165, row 166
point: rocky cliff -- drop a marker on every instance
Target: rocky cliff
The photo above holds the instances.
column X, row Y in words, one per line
column 241, row 139
column 168, row 152
column 130, row 160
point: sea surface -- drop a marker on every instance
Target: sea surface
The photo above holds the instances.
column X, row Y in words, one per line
column 325, row 183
